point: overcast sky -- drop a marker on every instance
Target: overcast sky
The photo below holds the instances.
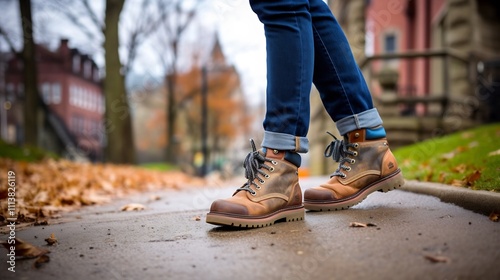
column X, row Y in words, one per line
column 238, row 28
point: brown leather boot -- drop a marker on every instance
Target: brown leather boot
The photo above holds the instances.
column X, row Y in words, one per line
column 365, row 166
column 271, row 193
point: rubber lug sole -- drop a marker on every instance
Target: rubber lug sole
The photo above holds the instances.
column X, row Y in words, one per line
column 288, row 215
column 388, row 183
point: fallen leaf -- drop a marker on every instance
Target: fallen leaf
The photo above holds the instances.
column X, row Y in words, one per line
column 457, row 183
column 469, row 180
column 51, row 240
column 25, row 249
column 461, row 149
column 442, row 177
column 428, row 176
column 494, row 153
column 459, row 168
column 448, row 156
column 154, row 198
column 356, row 224
column 133, row 207
column 196, row 218
column 494, row 216
column 41, row 260
column 437, row 259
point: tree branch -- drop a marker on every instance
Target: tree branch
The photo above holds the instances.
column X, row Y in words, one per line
column 76, row 21
column 3, row 33
column 98, row 23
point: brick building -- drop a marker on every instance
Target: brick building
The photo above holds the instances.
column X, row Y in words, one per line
column 433, row 67
column 70, row 86
column 398, row 26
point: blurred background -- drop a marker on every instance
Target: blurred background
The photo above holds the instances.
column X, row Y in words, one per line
column 182, row 83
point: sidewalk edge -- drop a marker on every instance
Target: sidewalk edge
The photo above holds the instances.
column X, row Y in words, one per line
column 483, row 202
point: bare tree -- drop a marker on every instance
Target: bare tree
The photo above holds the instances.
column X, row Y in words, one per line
column 31, row 96
column 176, row 19
column 118, row 124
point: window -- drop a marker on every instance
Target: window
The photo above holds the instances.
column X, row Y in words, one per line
column 56, row 93
column 96, row 75
column 93, row 101
column 86, row 99
column 390, row 43
column 79, row 96
column 46, row 93
column 71, row 95
column 87, row 69
column 76, row 63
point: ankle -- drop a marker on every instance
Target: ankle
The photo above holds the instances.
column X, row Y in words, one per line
column 366, row 134
column 290, row 156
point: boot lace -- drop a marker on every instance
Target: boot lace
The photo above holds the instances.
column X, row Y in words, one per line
column 339, row 151
column 253, row 165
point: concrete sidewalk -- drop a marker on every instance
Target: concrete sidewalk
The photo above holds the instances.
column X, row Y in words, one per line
column 170, row 240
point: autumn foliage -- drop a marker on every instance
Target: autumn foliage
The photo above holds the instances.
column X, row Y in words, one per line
column 227, row 113
column 47, row 187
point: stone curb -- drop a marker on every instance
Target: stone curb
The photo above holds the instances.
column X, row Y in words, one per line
column 483, row 202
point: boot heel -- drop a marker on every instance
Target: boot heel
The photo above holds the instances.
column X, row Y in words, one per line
column 392, row 183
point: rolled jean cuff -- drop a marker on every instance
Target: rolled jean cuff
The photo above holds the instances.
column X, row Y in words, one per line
column 285, row 142
column 366, row 119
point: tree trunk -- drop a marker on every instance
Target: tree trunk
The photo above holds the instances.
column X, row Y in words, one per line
column 31, row 96
column 120, row 144
column 172, row 108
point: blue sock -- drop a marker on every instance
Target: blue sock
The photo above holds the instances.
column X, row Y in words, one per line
column 375, row 133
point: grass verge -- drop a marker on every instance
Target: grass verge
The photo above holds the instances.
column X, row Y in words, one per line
column 29, row 154
column 468, row 158
column 159, row 166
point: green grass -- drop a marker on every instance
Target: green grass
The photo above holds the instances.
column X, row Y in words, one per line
column 29, row 154
column 468, row 158
column 160, row 166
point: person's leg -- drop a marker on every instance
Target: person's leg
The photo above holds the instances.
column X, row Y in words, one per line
column 366, row 163
column 337, row 77
column 290, row 54
column 272, row 191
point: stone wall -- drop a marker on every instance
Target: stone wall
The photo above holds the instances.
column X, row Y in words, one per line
column 350, row 14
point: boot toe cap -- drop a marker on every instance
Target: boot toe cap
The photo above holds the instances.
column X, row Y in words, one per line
column 228, row 207
column 318, row 194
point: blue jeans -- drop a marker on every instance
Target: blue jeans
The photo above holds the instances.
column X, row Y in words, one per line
column 305, row 44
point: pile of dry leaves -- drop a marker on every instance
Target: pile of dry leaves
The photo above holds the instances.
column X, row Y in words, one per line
column 45, row 188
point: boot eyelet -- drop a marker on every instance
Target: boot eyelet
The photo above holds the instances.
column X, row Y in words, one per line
column 348, row 169
column 356, row 145
column 253, row 193
column 274, row 162
column 257, row 187
column 353, row 161
column 271, row 169
column 267, row 176
column 343, row 176
column 355, row 153
column 262, row 182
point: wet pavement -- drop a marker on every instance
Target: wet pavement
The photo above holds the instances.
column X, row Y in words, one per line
column 414, row 236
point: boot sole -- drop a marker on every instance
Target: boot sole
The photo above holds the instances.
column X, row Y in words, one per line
column 288, row 215
column 388, row 183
